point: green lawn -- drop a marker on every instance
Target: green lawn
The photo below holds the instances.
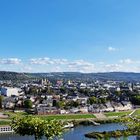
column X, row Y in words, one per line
column 137, row 112
column 69, row 116
column 4, row 122
column 13, row 114
column 119, row 114
column 57, row 117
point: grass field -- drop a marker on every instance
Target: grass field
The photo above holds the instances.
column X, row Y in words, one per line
column 69, row 116
column 7, row 121
column 57, row 117
column 137, row 112
column 13, row 114
column 119, row 114
column 4, row 122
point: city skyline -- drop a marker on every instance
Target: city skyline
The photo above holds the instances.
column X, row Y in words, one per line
column 74, row 35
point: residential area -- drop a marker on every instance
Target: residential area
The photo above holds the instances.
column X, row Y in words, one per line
column 43, row 97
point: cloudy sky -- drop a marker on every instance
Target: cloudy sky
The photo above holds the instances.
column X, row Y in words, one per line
column 70, row 35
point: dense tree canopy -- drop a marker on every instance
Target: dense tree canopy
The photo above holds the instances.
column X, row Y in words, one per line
column 92, row 100
column 1, row 98
column 135, row 99
column 28, row 104
column 132, row 123
column 37, row 127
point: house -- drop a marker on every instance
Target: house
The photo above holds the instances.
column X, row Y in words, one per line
column 117, row 106
column 107, row 86
column 102, row 108
column 127, row 105
column 83, row 109
column 94, row 108
column 62, row 111
column 19, row 103
column 82, row 100
column 32, row 98
column 126, row 88
column 83, row 85
column 8, row 102
column 43, row 109
column 109, row 107
column 113, row 89
column 9, row 105
column 74, row 110
column 74, row 98
column 48, row 102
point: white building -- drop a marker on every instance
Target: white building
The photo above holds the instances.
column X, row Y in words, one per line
column 9, row 91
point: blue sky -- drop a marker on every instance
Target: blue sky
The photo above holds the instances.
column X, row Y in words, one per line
column 70, row 35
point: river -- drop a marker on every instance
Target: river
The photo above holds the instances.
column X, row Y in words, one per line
column 76, row 133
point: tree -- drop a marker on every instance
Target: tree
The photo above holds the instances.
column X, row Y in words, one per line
column 33, row 90
column 28, row 126
column 118, row 93
column 28, row 104
column 1, row 99
column 132, row 124
column 53, row 128
column 135, row 99
column 92, row 100
column 37, row 127
column 103, row 100
column 60, row 104
column 63, row 90
column 75, row 103
column 72, row 104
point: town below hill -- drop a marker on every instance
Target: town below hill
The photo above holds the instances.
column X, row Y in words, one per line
column 62, row 93
column 67, row 96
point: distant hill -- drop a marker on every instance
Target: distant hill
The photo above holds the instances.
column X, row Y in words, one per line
column 121, row 76
column 4, row 75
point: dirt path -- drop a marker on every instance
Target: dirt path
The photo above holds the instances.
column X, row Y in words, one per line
column 132, row 112
column 100, row 116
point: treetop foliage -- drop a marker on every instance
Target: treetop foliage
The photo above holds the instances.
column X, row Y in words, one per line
column 37, row 127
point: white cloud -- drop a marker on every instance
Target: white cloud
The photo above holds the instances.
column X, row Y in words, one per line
column 127, row 61
column 62, row 65
column 80, row 63
column 47, row 61
column 53, row 65
column 60, row 61
column 112, row 67
column 81, row 66
column 40, row 61
column 14, row 61
column 112, row 49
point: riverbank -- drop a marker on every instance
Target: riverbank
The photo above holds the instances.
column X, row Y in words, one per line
column 76, row 133
column 112, row 134
column 132, row 127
